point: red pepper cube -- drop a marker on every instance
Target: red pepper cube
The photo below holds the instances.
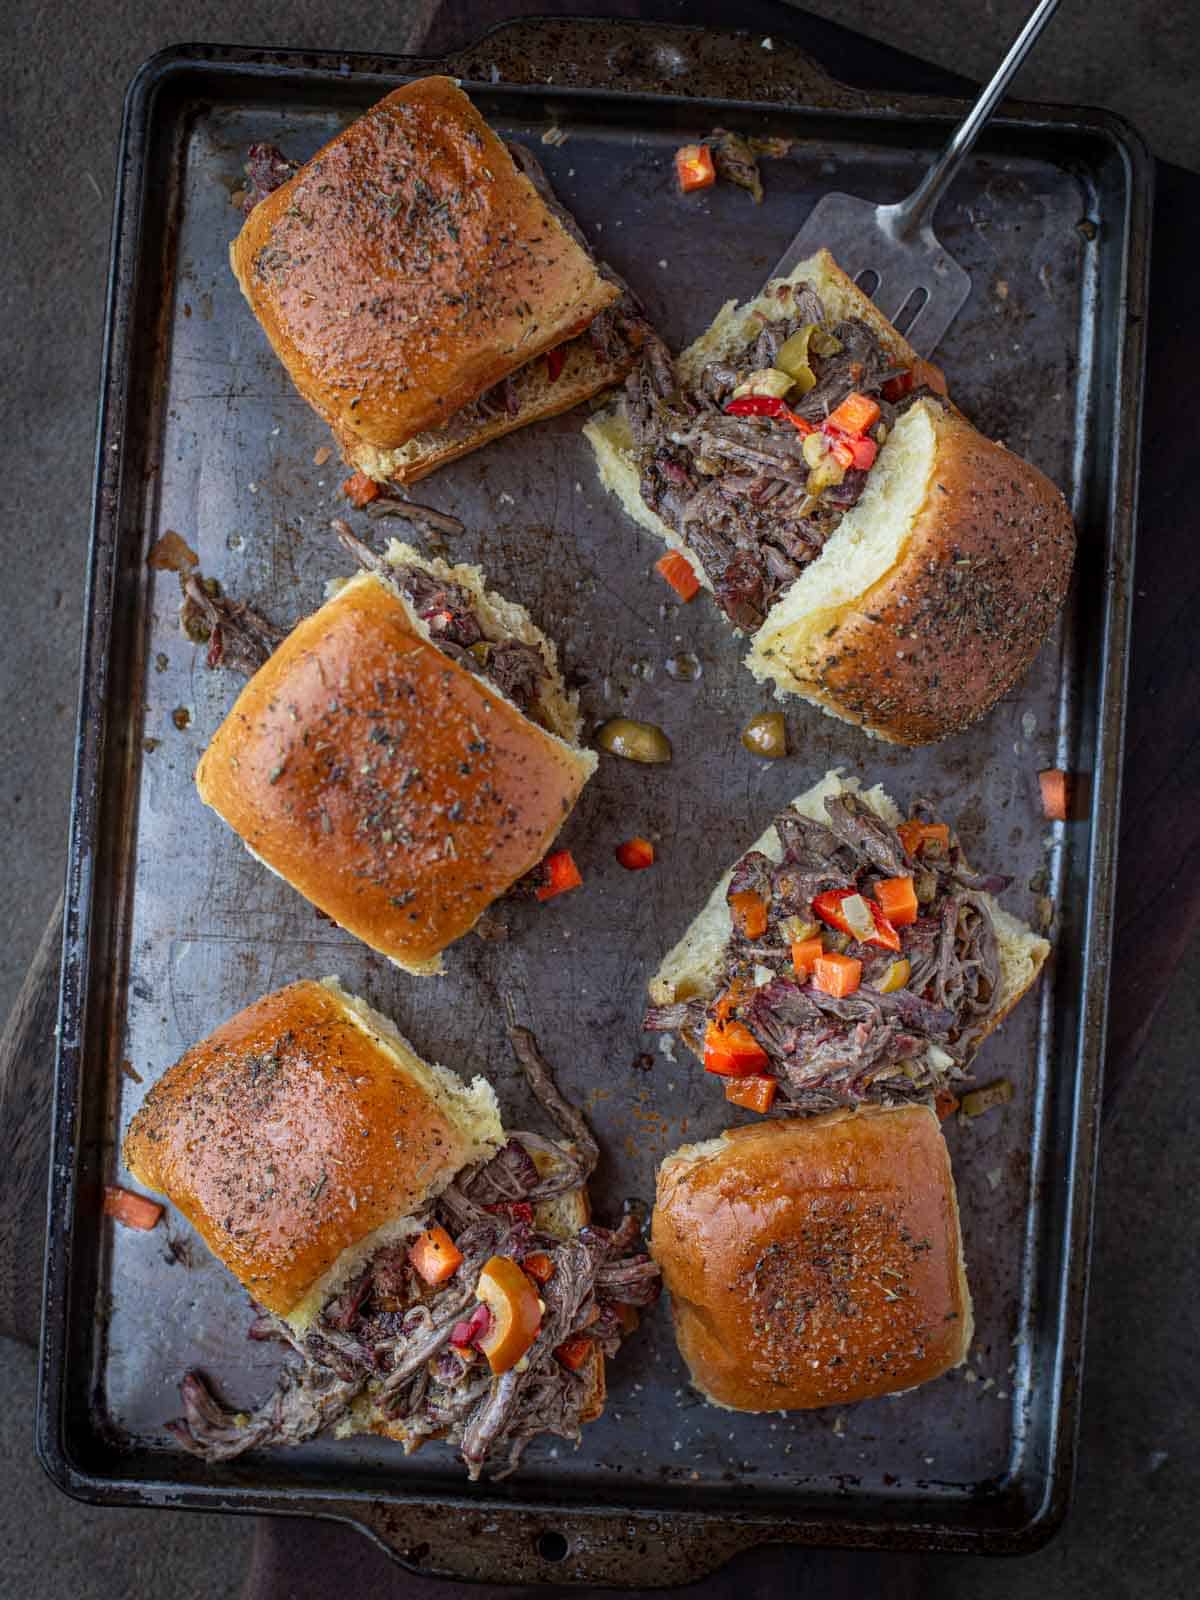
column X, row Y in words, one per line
column 563, row 874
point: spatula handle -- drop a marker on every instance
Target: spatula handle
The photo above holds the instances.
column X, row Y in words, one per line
column 911, row 215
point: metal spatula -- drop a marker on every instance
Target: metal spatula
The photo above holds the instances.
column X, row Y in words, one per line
column 891, row 252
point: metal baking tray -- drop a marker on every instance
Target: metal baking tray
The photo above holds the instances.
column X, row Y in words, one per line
column 171, row 926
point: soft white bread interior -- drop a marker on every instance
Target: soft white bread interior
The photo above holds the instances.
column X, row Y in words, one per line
column 693, row 966
column 301, row 1136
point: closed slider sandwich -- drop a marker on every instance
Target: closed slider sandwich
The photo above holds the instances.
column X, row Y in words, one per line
column 423, row 287
column 815, row 1261
column 891, row 564
column 404, row 756
column 851, row 955
column 435, row 1277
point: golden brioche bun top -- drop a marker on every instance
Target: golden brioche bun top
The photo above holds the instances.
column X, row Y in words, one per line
column 296, row 1132
column 391, row 786
column 409, row 266
column 814, row 1261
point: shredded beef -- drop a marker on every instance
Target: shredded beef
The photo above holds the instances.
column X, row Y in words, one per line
column 387, row 1335
column 448, row 610
column 736, row 488
column 237, row 635
column 267, row 169
column 871, row 1045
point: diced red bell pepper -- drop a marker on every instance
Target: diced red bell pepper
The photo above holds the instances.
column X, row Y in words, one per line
column 635, row 855
column 749, row 913
column 574, row 1353
column 732, row 1051
column 360, row 490
column 858, row 453
column 768, row 405
column 679, row 573
column 915, row 835
column 539, row 1266
column 476, row 1326
column 896, row 388
column 133, row 1210
column 856, row 414
column 435, row 1255
column 554, row 362
column 898, row 899
column 1055, row 785
column 563, row 875
column 754, row 1094
column 837, row 975
column 805, row 953
column 694, row 167
column 945, row 1104
column 828, row 907
column 756, row 405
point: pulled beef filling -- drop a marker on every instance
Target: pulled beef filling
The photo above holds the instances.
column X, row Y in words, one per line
column 387, row 1335
column 737, row 489
column 447, row 609
column 267, row 169
column 871, row 1045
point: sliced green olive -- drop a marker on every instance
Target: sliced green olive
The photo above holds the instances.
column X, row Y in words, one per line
column 981, row 1100
column 793, row 357
column 769, row 381
column 766, row 735
column 635, row 741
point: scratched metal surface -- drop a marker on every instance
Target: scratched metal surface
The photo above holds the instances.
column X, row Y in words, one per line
column 198, row 929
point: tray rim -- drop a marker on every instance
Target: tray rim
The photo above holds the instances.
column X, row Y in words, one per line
column 174, row 65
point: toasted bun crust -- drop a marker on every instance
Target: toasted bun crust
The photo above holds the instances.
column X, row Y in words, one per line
column 935, row 592
column 302, row 1135
column 392, row 787
column 692, row 966
column 584, row 373
column 814, row 1262
column 409, row 266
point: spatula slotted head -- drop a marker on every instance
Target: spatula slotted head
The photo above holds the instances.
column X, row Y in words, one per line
column 899, row 274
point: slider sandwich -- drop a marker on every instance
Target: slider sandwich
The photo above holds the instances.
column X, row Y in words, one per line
column 890, row 564
column 404, row 757
column 851, row 955
column 423, row 287
column 815, row 1261
column 435, row 1277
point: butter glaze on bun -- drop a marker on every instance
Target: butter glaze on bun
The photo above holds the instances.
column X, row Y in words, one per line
column 395, row 789
column 814, row 1261
column 406, row 269
column 301, row 1136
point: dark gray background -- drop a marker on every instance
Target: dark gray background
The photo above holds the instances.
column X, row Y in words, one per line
column 68, row 67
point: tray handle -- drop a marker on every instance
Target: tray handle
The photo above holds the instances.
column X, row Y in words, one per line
column 558, row 1545
column 648, row 58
